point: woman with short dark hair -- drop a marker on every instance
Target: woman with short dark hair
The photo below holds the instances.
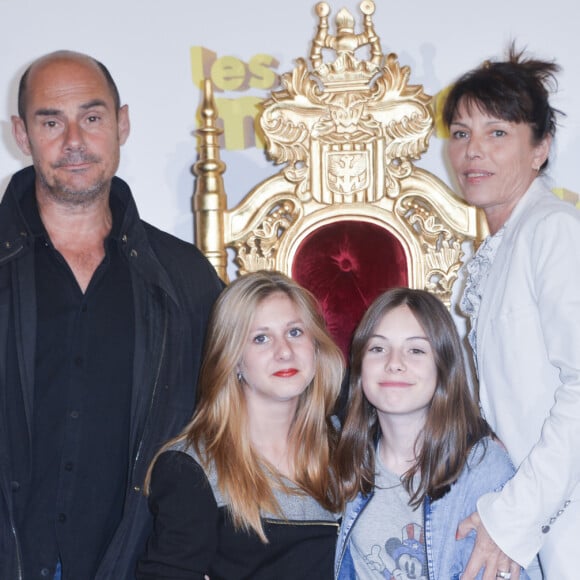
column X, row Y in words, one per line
column 522, row 297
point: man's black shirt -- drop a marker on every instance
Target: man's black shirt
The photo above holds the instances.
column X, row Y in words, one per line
column 82, row 405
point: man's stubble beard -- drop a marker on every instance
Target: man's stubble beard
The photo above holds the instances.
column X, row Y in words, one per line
column 65, row 195
column 62, row 193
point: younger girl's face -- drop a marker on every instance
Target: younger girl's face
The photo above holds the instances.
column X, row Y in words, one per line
column 399, row 375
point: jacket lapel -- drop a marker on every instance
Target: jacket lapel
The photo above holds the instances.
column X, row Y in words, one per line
column 490, row 302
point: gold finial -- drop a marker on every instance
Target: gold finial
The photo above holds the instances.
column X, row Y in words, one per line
column 209, row 200
column 367, row 7
column 322, row 9
column 344, row 22
column 345, row 43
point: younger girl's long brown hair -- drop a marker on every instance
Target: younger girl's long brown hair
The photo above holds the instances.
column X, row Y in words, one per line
column 453, row 424
column 218, row 431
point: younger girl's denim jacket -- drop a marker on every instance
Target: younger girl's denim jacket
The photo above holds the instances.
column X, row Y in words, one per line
column 488, row 468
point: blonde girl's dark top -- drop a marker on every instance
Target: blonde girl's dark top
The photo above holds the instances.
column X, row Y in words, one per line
column 193, row 534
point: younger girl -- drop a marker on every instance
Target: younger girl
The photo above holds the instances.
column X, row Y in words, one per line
column 245, row 491
column 414, row 455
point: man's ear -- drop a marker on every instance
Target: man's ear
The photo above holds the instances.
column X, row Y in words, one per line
column 123, row 124
column 20, row 135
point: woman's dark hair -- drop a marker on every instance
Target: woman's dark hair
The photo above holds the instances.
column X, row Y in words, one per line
column 453, row 424
column 515, row 90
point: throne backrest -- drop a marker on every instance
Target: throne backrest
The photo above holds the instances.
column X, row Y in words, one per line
column 349, row 214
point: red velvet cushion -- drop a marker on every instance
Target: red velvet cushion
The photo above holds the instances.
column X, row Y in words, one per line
column 346, row 265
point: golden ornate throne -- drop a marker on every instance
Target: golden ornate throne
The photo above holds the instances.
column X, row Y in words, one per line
column 349, row 214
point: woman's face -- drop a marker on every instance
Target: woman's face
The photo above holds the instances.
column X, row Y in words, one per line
column 399, row 375
column 495, row 161
column 279, row 358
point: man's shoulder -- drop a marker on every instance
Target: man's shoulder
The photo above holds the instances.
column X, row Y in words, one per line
column 182, row 260
column 166, row 242
column 188, row 269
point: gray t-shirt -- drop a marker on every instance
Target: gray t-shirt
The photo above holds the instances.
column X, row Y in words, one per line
column 387, row 540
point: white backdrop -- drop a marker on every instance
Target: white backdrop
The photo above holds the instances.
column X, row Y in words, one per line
column 152, row 49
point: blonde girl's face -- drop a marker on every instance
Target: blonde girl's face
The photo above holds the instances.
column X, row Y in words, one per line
column 399, row 375
column 279, row 358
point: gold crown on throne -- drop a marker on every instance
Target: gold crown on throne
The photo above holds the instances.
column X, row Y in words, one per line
column 346, row 71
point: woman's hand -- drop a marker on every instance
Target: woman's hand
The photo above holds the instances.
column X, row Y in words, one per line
column 486, row 553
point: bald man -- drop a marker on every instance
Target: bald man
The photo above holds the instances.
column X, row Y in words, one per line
column 102, row 319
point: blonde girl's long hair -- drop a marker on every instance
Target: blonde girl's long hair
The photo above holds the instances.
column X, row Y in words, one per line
column 218, row 431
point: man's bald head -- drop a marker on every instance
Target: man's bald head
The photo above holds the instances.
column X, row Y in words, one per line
column 60, row 56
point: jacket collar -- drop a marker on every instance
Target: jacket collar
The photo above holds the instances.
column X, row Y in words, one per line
column 16, row 233
column 19, row 213
column 536, row 192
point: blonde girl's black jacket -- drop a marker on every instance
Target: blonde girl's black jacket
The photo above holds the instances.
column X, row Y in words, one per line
column 174, row 288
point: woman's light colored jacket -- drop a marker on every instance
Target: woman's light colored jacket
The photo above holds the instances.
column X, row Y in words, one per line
column 528, row 347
